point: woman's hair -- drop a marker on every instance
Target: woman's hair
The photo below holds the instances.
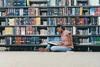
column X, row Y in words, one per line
column 62, row 27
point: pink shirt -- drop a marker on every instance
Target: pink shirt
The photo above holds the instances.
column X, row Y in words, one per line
column 64, row 37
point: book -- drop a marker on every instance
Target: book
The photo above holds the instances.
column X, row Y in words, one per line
column 81, row 21
column 43, row 32
column 28, row 2
column 17, row 31
column 73, row 11
column 12, row 21
column 98, row 21
column 2, row 41
column 18, row 40
column 97, row 11
column 92, row 11
column 25, row 12
column 74, row 30
column 7, row 3
column 1, row 3
column 21, row 12
column 38, row 21
column 52, row 2
column 97, row 40
column 54, row 43
column 8, row 40
column 22, row 30
column 23, row 40
column 20, row 3
column 94, row 2
column 8, row 31
column 17, row 13
column 30, row 30
column 75, row 2
column 37, row 40
column 81, row 11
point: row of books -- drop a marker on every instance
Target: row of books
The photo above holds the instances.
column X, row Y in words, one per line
column 75, row 21
column 97, row 41
column 19, row 40
column 52, row 12
column 38, row 3
column 94, row 11
column 27, row 40
column 86, row 31
column 6, row 3
column 29, row 30
column 24, row 21
column 73, row 2
column 51, row 21
column 50, row 2
column 20, row 12
column 37, row 40
column 88, row 41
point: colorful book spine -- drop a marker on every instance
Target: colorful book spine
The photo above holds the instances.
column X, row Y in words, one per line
column 92, row 11
column 18, row 40
column 38, row 20
column 29, row 30
column 17, row 30
column 81, row 11
column 21, row 12
column 22, row 30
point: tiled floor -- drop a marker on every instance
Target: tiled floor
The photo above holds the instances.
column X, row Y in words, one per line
column 49, row 59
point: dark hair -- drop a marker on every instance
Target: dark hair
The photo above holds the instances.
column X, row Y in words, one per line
column 62, row 27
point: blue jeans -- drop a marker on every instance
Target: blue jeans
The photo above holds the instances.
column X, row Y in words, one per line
column 58, row 48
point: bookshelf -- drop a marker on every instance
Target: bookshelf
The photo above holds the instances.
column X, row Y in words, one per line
column 33, row 22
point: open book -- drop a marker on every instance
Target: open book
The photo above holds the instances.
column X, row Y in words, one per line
column 56, row 43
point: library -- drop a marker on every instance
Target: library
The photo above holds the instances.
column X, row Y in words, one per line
column 30, row 24
column 49, row 33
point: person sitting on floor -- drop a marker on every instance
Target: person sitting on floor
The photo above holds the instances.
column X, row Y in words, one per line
column 66, row 43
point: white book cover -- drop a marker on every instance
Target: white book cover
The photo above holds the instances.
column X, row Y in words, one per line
column 98, row 20
column 11, row 21
column 74, row 30
column 0, row 14
column 21, row 12
column 75, row 3
column 94, row 2
column 69, row 2
column 22, row 30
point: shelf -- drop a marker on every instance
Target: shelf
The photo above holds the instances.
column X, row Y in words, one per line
column 87, row 45
column 80, row 26
column 30, row 25
column 48, row 7
column 23, row 45
column 85, row 35
column 82, row 6
column 39, row 1
column 29, row 35
column 45, row 16
column 47, row 35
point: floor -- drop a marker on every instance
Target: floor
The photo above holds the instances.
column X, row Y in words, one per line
column 49, row 59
